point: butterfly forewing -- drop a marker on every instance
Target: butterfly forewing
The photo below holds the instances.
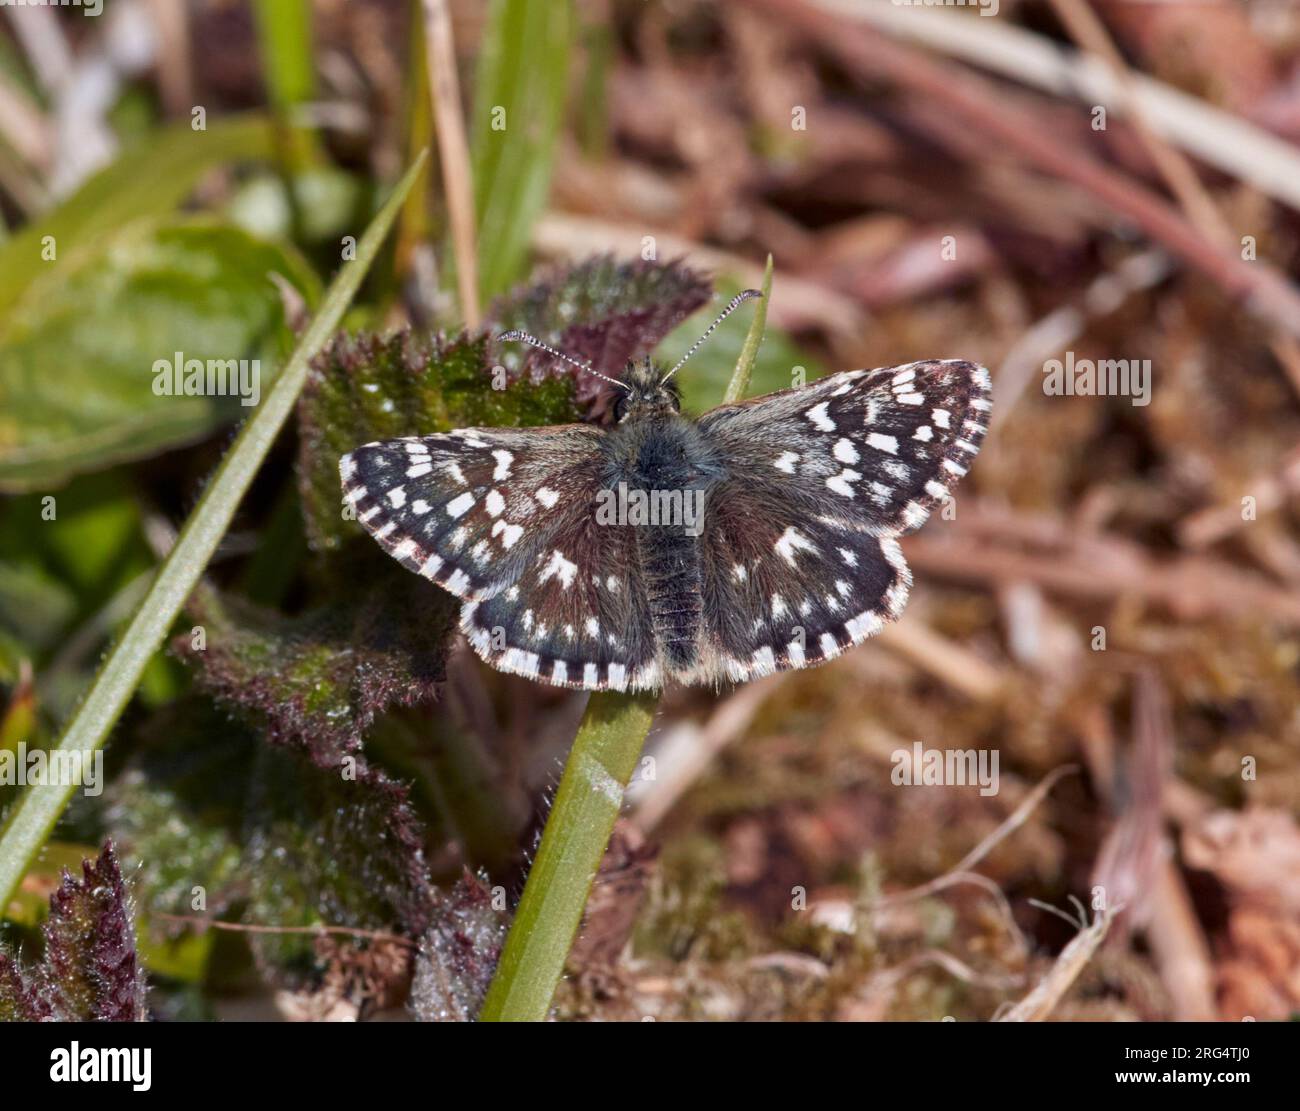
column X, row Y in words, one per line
column 473, row 508
column 504, row 518
column 799, row 541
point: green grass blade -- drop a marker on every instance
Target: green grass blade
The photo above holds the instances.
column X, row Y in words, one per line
column 38, row 810
column 284, row 36
column 519, row 99
column 739, row 383
column 602, row 760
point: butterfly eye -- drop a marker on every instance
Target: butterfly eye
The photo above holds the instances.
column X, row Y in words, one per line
column 620, row 405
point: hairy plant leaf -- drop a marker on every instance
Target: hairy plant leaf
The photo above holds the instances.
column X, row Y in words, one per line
column 600, row 310
column 368, row 388
column 326, row 850
column 78, row 388
column 267, row 837
column 18, row 1000
column 176, row 812
column 89, row 971
column 458, row 954
column 320, row 678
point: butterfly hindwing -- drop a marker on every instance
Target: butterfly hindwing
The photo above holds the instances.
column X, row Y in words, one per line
column 504, row 519
column 577, row 617
column 800, row 540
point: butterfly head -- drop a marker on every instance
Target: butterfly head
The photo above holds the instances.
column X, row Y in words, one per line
column 646, row 393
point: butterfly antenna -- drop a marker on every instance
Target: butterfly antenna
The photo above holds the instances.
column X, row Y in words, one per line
column 736, row 302
column 533, row 341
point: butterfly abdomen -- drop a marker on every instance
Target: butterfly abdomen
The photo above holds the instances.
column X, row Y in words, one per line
column 671, row 560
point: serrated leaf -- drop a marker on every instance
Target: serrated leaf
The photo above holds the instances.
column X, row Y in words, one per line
column 77, row 351
column 324, row 850
column 177, row 810
column 268, row 837
column 600, row 310
column 319, row 679
column 89, row 971
column 458, row 954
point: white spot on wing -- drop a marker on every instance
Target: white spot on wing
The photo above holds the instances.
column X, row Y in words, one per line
column 882, row 442
column 840, row 483
column 459, row 506
column 821, row 421
column 558, row 565
column 791, row 542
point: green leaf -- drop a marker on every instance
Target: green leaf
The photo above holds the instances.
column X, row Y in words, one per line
column 325, row 850
column 176, row 812
column 704, row 380
column 320, row 678
column 31, row 821
column 35, row 606
column 520, row 92
column 269, row 838
column 149, row 179
column 79, row 389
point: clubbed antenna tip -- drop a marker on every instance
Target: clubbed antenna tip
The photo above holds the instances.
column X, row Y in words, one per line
column 732, row 306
